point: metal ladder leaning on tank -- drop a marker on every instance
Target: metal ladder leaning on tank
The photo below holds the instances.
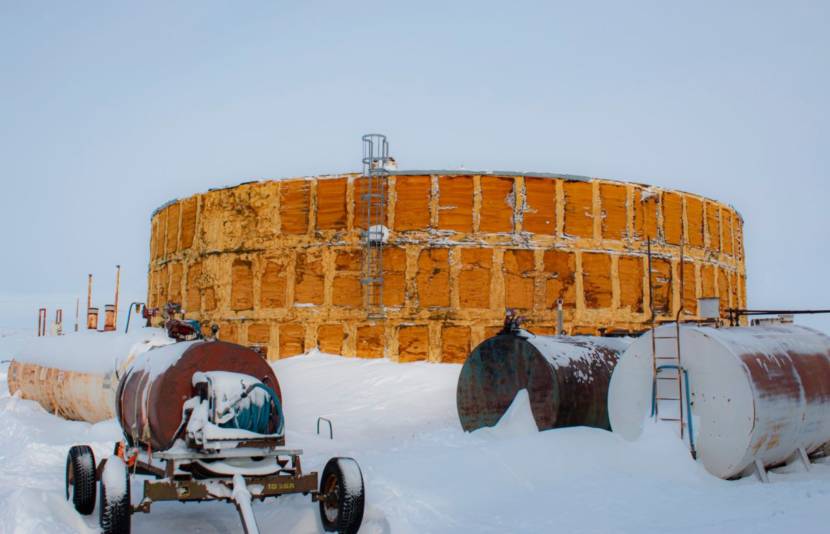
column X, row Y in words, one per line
column 670, row 367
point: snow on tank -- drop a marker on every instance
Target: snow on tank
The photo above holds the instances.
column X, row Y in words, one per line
column 757, row 393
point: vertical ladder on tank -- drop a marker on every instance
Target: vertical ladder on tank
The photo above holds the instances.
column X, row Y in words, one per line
column 373, row 207
column 670, row 397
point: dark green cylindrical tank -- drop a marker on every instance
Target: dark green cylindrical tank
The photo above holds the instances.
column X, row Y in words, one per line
column 566, row 378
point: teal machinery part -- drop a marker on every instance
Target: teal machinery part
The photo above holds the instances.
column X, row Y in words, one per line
column 256, row 417
column 688, row 399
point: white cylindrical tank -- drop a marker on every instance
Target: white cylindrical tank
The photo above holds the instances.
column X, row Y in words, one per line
column 757, row 393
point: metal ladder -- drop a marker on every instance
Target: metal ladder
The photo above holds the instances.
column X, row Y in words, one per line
column 373, row 203
column 670, row 397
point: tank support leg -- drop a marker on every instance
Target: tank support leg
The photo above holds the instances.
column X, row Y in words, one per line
column 804, row 458
column 242, row 501
column 761, row 471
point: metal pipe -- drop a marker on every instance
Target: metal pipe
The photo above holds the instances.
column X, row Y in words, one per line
column 89, row 294
column 688, row 399
column 77, row 312
column 41, row 322
column 242, row 500
column 736, row 313
column 117, row 284
column 137, row 306
column 739, row 311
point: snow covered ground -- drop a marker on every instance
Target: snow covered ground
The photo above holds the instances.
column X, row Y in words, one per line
column 423, row 474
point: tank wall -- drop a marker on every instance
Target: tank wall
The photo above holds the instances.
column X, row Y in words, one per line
column 277, row 263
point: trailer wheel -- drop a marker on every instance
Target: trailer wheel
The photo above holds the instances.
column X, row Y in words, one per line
column 80, row 478
column 115, row 497
column 342, row 496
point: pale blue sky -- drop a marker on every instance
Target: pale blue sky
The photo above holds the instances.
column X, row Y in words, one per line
column 110, row 109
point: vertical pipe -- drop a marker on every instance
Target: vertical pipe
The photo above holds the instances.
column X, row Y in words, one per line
column 91, row 313
column 651, row 319
column 677, row 333
column 77, row 311
column 560, row 330
column 117, row 284
column 41, row 322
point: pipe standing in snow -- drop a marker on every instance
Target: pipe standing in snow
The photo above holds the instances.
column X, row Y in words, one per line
column 759, row 393
column 566, row 379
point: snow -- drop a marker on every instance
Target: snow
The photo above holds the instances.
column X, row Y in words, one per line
column 242, row 497
column 517, row 420
column 227, row 389
column 378, row 233
column 564, row 351
column 155, row 362
column 352, row 477
column 422, row 473
column 113, row 479
column 87, row 351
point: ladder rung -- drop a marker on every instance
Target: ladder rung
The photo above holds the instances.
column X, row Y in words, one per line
column 665, row 337
column 666, row 358
column 668, row 398
column 674, row 378
column 669, row 419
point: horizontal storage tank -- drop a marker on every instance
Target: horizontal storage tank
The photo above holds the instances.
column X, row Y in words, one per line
column 757, row 393
column 566, row 379
column 153, row 391
column 69, row 394
column 75, row 376
column 278, row 263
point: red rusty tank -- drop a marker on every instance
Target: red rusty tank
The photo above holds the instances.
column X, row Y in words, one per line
column 152, row 393
column 566, row 378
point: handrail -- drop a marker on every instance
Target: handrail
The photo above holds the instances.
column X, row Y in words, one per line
column 331, row 428
column 688, row 401
column 130, row 312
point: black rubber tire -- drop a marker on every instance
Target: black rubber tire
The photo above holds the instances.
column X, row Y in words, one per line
column 80, row 478
column 116, row 514
column 342, row 510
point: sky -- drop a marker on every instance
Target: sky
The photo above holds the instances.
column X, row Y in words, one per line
column 111, row 109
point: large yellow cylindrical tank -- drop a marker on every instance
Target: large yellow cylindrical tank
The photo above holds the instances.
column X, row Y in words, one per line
column 278, row 263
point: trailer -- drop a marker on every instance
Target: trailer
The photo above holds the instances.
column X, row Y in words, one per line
column 224, row 440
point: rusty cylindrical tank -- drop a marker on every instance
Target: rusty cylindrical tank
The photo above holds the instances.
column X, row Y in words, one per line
column 73, row 395
column 152, row 393
column 75, row 376
column 757, row 393
column 566, row 379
